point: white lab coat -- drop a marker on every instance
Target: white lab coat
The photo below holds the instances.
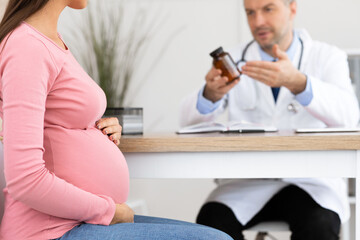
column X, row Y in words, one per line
column 334, row 104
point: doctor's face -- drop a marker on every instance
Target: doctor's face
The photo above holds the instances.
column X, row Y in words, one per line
column 270, row 21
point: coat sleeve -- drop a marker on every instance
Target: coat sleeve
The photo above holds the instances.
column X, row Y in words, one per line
column 334, row 101
column 27, row 74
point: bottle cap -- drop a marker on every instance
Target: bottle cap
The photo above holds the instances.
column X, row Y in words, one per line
column 217, row 52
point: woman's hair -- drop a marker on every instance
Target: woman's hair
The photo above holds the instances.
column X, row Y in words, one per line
column 16, row 12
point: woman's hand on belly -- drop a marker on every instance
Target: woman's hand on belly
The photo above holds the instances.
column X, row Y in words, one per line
column 110, row 127
column 123, row 214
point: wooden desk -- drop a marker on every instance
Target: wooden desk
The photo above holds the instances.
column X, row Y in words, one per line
column 268, row 155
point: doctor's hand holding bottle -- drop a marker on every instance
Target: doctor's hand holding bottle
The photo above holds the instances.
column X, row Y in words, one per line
column 216, row 85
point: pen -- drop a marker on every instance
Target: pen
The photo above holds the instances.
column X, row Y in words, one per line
column 245, row 131
column 251, row 130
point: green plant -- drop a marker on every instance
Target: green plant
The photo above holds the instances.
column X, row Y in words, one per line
column 111, row 51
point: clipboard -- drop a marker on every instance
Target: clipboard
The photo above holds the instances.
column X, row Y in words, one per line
column 326, row 130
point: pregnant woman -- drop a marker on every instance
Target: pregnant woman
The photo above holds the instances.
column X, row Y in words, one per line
column 66, row 179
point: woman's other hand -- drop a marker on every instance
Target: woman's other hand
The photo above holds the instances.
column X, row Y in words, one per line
column 123, row 214
column 110, row 127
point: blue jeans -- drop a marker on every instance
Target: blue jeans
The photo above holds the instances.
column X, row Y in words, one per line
column 145, row 228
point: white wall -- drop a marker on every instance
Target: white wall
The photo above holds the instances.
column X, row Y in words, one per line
column 333, row 21
column 2, row 6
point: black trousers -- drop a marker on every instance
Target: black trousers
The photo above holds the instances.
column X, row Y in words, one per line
column 307, row 219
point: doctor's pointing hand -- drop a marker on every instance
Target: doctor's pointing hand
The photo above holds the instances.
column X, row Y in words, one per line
column 277, row 74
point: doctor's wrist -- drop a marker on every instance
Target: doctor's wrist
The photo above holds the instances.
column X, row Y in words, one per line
column 212, row 96
column 298, row 84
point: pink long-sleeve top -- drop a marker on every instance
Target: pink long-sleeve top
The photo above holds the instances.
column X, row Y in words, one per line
column 60, row 170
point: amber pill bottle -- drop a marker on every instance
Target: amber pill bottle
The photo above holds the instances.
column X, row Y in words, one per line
column 223, row 61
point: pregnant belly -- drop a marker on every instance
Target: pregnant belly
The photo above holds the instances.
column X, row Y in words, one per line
column 88, row 160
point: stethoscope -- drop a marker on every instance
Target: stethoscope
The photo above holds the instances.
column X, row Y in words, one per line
column 292, row 107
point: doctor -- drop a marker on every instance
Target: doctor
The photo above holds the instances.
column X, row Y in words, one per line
column 289, row 81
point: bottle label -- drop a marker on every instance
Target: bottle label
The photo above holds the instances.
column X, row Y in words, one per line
column 230, row 66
